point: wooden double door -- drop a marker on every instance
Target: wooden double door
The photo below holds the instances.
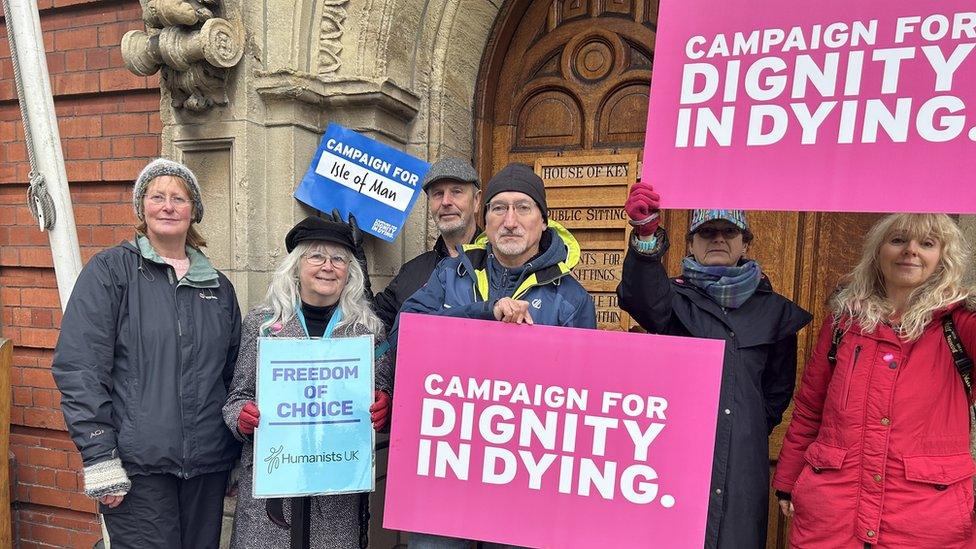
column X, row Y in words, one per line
column 564, row 80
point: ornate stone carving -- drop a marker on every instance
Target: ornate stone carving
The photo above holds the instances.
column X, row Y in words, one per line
column 330, row 36
column 193, row 48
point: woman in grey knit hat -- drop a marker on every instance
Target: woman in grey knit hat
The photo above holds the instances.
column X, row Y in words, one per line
column 146, row 353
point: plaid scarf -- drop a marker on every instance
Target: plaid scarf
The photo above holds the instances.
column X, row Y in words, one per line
column 730, row 287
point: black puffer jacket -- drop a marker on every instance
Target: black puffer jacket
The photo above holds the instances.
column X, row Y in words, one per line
column 758, row 377
column 411, row 277
column 144, row 362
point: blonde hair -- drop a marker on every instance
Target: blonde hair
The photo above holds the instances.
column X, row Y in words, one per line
column 193, row 236
column 864, row 300
column 284, row 292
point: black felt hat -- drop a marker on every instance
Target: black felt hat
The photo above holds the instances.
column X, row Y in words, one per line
column 318, row 229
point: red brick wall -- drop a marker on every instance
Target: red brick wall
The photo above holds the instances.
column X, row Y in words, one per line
column 109, row 124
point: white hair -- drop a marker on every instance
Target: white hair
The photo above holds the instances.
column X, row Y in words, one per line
column 284, row 291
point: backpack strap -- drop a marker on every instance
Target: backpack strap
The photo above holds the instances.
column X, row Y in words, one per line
column 835, row 342
column 964, row 364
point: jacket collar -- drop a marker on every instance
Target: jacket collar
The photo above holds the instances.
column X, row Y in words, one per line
column 201, row 274
column 552, row 264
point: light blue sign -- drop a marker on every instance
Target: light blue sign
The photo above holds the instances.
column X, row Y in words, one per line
column 353, row 173
column 315, row 435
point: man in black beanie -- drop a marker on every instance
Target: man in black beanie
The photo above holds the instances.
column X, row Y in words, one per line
column 518, row 272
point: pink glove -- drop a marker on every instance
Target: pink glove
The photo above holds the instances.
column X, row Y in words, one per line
column 641, row 204
column 379, row 412
column 249, row 418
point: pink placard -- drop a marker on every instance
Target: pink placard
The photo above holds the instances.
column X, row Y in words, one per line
column 831, row 105
column 537, row 398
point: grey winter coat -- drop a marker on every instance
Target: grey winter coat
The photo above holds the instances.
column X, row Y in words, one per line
column 335, row 522
column 144, row 361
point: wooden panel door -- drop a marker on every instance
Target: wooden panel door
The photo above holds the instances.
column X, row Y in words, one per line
column 571, row 78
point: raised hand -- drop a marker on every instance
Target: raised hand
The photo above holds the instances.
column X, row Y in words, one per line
column 643, row 207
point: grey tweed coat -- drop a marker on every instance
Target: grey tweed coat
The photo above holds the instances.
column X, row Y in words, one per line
column 334, row 519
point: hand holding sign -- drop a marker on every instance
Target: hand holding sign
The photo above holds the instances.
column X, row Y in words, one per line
column 249, row 419
column 379, row 412
column 643, row 207
column 514, row 311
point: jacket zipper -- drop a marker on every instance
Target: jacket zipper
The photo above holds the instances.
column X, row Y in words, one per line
column 850, row 377
column 179, row 354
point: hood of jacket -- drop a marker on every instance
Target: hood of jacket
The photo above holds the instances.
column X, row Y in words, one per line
column 550, row 265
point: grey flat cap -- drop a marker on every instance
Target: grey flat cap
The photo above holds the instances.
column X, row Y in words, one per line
column 451, row 167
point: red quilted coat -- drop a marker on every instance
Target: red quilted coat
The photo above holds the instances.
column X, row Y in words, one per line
column 878, row 449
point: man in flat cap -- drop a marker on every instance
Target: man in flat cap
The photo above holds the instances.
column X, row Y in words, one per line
column 453, row 193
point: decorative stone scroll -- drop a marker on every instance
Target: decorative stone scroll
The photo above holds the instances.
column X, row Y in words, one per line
column 330, row 36
column 190, row 45
column 586, row 195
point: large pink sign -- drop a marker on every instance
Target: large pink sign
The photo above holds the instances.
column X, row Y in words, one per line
column 833, row 105
column 551, row 437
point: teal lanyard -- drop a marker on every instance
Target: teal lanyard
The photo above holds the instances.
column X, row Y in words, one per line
column 336, row 318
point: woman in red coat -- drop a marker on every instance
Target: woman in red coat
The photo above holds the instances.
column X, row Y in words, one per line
column 877, row 453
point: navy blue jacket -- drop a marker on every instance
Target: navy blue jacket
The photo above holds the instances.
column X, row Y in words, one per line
column 468, row 286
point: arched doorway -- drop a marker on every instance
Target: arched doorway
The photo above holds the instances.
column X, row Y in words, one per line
column 565, row 82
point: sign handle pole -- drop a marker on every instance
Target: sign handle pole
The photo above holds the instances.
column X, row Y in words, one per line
column 300, row 518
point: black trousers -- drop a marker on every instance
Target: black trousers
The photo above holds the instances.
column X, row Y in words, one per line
column 167, row 512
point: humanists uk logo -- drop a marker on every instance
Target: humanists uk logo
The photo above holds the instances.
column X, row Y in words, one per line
column 278, row 457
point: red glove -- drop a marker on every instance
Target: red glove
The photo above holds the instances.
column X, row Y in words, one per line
column 249, row 418
column 379, row 412
column 641, row 204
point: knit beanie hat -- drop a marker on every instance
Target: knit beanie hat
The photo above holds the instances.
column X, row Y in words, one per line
column 163, row 166
column 735, row 217
column 453, row 168
column 517, row 177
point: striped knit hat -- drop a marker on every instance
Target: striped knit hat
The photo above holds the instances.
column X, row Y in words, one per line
column 735, row 217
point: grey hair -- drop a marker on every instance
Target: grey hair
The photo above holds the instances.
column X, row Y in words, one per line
column 284, row 291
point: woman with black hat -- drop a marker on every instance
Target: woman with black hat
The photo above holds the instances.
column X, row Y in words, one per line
column 147, row 347
column 318, row 290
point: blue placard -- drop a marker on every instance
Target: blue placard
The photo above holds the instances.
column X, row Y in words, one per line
column 353, row 173
column 315, row 435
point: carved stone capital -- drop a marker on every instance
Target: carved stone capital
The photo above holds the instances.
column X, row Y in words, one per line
column 193, row 48
column 373, row 106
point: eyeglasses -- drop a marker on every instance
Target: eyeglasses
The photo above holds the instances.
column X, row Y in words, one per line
column 728, row 233
column 176, row 201
column 317, row 259
column 522, row 209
